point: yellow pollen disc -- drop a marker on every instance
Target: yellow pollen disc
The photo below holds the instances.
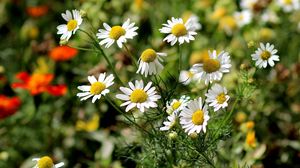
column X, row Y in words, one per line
column 148, row 55
column 179, row 30
column 176, row 105
column 211, row 65
column 116, row 32
column 71, row 25
column 241, row 17
column 97, row 88
column 198, row 117
column 45, row 162
column 287, row 2
column 250, row 139
column 265, row 55
column 138, row 96
column 221, row 98
column 190, row 74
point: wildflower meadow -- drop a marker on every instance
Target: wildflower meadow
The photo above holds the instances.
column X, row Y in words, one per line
column 149, row 83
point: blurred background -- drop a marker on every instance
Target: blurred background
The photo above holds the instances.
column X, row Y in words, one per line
column 41, row 115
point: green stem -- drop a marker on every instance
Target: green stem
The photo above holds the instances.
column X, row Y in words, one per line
column 179, row 59
column 110, row 65
column 120, row 111
column 131, row 55
column 225, row 120
column 88, row 34
column 208, row 87
column 96, row 44
column 81, row 48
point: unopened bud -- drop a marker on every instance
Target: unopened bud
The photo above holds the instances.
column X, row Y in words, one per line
column 250, row 80
column 82, row 13
column 243, row 66
column 193, row 135
column 251, row 44
column 172, row 135
column 63, row 42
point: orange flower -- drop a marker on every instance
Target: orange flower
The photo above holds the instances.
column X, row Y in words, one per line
column 39, row 83
column 63, row 53
column 37, row 11
column 8, row 106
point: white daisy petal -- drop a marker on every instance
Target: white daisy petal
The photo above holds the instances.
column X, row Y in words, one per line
column 97, row 88
column 265, row 55
column 179, row 31
column 116, row 34
column 74, row 20
column 138, row 97
column 194, row 117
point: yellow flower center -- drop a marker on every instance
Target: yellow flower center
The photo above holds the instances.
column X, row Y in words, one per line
column 241, row 17
column 221, row 98
column 190, row 74
column 116, row 32
column 97, row 88
column 198, row 117
column 211, row 65
column 250, row 124
column 265, row 55
column 138, row 96
column 176, row 105
column 179, row 30
column 287, row 2
column 148, row 55
column 250, row 139
column 45, row 162
column 71, row 25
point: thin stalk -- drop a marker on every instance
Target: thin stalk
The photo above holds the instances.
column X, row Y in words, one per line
column 81, row 48
column 120, row 111
column 208, row 87
column 131, row 55
column 104, row 55
column 226, row 119
column 179, row 59
column 110, row 66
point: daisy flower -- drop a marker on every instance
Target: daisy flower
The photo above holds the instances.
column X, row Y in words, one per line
column 217, row 97
column 97, row 87
column 74, row 20
column 170, row 123
column 248, row 4
column 243, row 18
column 138, row 96
column 194, row 19
column 46, row 162
column 270, row 16
column 149, row 62
column 176, row 105
column 118, row 34
column 179, row 31
column 289, row 5
column 264, row 55
column 194, row 117
column 213, row 68
column 186, row 77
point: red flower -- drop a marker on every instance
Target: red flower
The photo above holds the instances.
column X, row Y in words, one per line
column 37, row 11
column 63, row 53
column 8, row 106
column 39, row 83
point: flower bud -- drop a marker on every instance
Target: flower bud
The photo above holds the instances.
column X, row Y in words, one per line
column 172, row 135
column 82, row 13
column 63, row 42
column 193, row 135
column 251, row 44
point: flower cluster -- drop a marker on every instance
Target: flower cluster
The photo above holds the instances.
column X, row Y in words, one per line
column 38, row 83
